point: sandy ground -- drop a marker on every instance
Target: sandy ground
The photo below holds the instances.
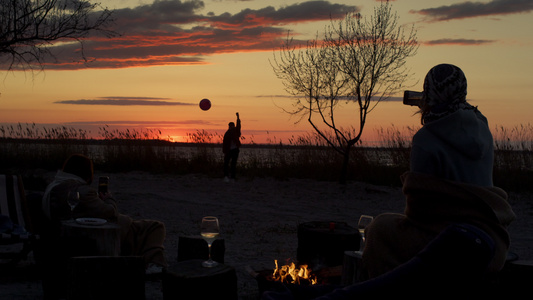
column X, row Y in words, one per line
column 258, row 217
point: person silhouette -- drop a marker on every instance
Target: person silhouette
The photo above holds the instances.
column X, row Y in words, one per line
column 449, row 181
column 230, row 148
column 139, row 237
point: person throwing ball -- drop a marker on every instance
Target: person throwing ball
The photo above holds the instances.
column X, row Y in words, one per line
column 230, row 147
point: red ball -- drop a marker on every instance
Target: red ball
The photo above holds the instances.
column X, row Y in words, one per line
column 205, row 104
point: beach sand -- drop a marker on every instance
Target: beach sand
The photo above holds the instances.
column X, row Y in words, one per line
column 258, row 217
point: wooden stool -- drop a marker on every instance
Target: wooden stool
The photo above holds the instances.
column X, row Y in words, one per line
column 190, row 280
column 106, row 277
column 324, row 243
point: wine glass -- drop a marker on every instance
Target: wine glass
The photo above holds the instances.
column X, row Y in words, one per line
column 209, row 231
column 364, row 221
column 73, row 198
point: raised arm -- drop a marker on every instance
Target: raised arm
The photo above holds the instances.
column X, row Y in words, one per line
column 238, row 122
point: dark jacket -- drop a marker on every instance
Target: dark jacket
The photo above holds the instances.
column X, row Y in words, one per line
column 232, row 138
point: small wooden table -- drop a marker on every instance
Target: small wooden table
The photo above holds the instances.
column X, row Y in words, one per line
column 106, row 277
column 323, row 243
column 106, row 236
column 189, row 277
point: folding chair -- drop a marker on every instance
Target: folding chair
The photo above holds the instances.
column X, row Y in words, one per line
column 13, row 205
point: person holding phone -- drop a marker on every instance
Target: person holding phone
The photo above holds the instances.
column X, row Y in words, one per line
column 138, row 237
column 449, row 181
column 103, row 183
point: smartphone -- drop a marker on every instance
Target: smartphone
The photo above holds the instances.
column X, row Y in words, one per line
column 412, row 98
column 103, row 182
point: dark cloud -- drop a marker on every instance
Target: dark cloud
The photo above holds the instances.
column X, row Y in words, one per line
column 463, row 42
column 476, row 9
column 142, row 123
column 124, row 101
column 296, row 13
column 174, row 32
column 343, row 98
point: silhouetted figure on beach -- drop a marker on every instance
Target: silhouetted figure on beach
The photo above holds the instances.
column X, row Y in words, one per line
column 230, row 147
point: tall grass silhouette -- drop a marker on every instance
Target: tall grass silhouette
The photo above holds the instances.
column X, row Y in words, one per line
column 28, row 147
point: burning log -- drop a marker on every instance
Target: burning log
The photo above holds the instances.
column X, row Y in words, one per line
column 293, row 274
column 321, row 246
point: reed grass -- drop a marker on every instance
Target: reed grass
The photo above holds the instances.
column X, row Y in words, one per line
column 26, row 147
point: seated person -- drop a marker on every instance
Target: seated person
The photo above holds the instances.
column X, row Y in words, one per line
column 450, row 180
column 138, row 237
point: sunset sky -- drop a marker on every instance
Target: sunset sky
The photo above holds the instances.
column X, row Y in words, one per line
column 172, row 54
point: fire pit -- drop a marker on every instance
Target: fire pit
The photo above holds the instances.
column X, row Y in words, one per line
column 320, row 256
column 291, row 273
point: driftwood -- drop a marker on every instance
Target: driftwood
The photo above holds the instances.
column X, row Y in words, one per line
column 190, row 280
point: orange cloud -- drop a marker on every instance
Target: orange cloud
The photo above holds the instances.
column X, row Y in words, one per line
column 461, row 42
column 172, row 33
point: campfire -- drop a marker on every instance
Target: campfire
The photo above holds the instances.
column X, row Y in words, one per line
column 292, row 274
column 321, row 247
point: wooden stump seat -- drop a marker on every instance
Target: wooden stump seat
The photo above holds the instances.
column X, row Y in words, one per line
column 323, row 243
column 190, row 280
column 106, row 277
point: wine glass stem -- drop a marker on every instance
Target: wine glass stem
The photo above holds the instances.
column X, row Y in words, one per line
column 209, row 248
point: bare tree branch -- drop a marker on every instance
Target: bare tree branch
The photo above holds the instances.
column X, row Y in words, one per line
column 29, row 29
column 359, row 61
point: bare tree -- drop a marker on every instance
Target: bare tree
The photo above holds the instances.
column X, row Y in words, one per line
column 360, row 61
column 30, row 28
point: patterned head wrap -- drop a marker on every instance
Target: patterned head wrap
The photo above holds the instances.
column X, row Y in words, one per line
column 444, row 92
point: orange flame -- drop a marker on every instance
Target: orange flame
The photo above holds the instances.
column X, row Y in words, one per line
column 292, row 274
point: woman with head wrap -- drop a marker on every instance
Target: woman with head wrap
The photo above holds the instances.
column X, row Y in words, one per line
column 450, row 179
column 449, row 185
column 455, row 142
